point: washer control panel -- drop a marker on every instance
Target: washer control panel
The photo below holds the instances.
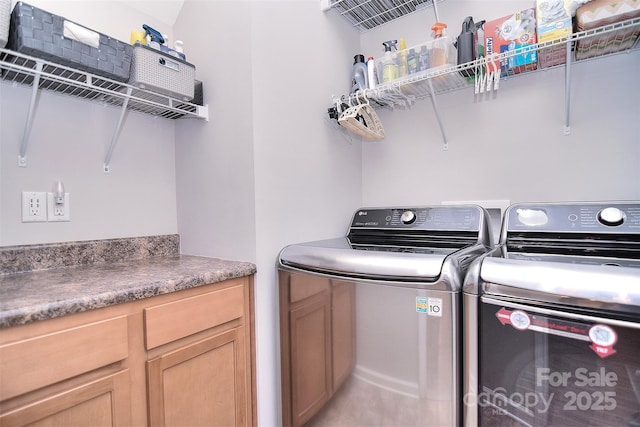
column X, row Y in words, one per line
column 587, row 217
column 456, row 218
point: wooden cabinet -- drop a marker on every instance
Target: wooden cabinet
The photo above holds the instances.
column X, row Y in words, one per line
column 343, row 325
column 310, row 347
column 317, row 327
column 82, row 365
column 213, row 367
column 102, row 402
column 185, row 358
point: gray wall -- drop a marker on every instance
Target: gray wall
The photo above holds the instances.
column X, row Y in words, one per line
column 68, row 142
column 508, row 146
column 268, row 169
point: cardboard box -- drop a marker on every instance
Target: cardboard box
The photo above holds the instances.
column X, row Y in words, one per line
column 553, row 22
column 509, row 33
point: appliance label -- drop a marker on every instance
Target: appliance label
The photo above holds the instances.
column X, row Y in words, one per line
column 602, row 337
column 430, row 306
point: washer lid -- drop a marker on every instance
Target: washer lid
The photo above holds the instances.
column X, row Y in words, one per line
column 338, row 257
column 605, row 286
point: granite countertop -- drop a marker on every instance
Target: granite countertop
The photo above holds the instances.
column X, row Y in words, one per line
column 46, row 293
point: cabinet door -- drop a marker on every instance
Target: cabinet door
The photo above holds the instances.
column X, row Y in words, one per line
column 201, row 384
column 102, row 402
column 310, row 325
column 343, row 331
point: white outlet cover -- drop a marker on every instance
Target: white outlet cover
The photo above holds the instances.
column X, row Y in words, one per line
column 34, row 206
column 56, row 213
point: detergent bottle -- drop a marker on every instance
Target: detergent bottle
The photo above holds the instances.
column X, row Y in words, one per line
column 412, row 61
column 423, row 59
column 359, row 79
column 389, row 64
column 439, row 51
column 402, row 59
column 372, row 73
column 467, row 44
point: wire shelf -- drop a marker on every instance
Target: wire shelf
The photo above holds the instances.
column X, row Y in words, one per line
column 604, row 41
column 368, row 14
column 22, row 69
column 582, row 46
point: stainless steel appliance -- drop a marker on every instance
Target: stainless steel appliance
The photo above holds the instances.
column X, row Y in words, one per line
column 370, row 321
column 552, row 319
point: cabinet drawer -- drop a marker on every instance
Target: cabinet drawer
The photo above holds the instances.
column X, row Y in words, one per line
column 37, row 362
column 169, row 322
column 104, row 401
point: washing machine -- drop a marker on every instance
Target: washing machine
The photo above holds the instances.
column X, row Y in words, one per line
column 552, row 319
column 370, row 321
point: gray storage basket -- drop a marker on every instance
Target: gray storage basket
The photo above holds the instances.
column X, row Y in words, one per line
column 38, row 33
column 157, row 71
column 5, row 11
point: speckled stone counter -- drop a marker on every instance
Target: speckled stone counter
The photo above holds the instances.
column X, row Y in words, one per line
column 53, row 292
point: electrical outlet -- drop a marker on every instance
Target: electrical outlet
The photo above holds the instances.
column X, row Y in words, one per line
column 34, row 206
column 58, row 212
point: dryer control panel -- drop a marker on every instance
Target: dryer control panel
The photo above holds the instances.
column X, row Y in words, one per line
column 622, row 218
column 437, row 218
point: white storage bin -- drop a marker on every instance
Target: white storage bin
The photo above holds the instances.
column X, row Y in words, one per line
column 154, row 70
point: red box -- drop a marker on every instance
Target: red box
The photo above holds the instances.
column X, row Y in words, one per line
column 513, row 32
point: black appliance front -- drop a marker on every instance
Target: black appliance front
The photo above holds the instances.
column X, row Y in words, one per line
column 544, row 367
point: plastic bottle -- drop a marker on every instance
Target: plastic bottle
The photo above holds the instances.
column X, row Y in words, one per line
column 467, row 45
column 156, row 39
column 178, row 48
column 359, row 80
column 439, row 50
column 372, row 73
column 389, row 65
column 412, row 61
column 423, row 59
column 402, row 59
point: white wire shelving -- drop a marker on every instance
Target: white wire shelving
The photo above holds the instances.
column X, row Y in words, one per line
column 617, row 38
column 20, row 69
column 368, row 14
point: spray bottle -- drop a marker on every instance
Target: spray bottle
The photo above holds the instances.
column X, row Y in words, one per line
column 156, row 38
column 389, row 65
column 439, row 51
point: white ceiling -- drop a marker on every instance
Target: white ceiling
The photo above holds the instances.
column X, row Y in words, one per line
column 164, row 10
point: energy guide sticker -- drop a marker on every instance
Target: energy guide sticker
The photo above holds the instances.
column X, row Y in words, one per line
column 421, row 305
column 431, row 306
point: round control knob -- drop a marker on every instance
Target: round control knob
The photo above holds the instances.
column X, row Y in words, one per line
column 408, row 217
column 532, row 217
column 611, row 216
